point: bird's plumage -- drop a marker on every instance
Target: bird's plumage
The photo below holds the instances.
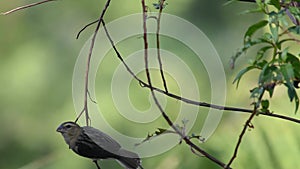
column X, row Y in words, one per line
column 93, row 143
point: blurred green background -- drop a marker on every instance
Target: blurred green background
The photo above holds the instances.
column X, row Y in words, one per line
column 38, row 52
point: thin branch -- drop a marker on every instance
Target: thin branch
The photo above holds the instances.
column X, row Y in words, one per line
column 86, row 26
column 247, row 124
column 161, row 5
column 165, row 116
column 85, row 107
column 25, row 6
column 186, row 100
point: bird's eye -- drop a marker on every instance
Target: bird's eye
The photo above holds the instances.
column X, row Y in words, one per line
column 68, row 126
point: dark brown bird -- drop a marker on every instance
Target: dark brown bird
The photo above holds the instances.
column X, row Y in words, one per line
column 92, row 143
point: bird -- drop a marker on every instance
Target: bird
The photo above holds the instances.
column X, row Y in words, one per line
column 92, row 143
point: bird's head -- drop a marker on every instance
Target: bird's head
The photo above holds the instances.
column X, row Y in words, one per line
column 69, row 130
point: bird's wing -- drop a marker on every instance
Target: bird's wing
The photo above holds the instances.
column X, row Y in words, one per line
column 102, row 140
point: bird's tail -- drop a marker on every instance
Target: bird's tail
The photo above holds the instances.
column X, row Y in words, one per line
column 129, row 159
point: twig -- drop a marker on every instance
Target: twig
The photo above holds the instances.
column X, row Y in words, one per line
column 241, row 136
column 247, row 124
column 86, row 26
column 85, row 107
column 161, row 5
column 25, row 6
column 186, row 100
column 165, row 116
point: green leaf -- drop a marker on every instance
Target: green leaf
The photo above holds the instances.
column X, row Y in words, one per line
column 261, row 52
column 266, row 74
column 270, row 88
column 293, row 96
column 283, row 55
column 265, row 104
column 241, row 73
column 292, row 59
column 262, row 64
column 275, row 3
column 273, row 25
column 295, row 29
column 253, row 28
column 256, row 92
column 287, row 71
column 255, row 10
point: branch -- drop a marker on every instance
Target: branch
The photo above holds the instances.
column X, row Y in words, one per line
column 86, row 26
column 25, row 6
column 165, row 116
column 247, row 124
column 85, row 107
column 186, row 100
column 161, row 5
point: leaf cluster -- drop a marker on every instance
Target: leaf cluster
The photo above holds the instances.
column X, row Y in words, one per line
column 276, row 63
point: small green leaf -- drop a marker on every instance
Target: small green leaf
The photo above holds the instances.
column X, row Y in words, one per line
column 256, row 92
column 275, row 3
column 283, row 55
column 293, row 96
column 253, row 28
column 241, row 73
column 273, row 25
column 295, row 29
column 287, row 71
column 270, row 88
column 265, row 104
column 261, row 52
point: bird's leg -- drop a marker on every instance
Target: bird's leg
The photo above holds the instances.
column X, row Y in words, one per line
column 95, row 161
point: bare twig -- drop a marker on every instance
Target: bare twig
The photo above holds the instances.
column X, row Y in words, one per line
column 86, row 26
column 161, row 5
column 247, row 124
column 186, row 100
column 26, row 6
column 165, row 116
column 86, row 91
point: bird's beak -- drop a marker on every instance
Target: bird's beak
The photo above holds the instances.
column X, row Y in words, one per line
column 60, row 129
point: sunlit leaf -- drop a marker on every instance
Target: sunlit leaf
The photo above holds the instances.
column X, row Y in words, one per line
column 275, row 3
column 273, row 25
column 253, row 28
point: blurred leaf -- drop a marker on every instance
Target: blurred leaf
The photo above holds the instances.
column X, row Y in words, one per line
column 253, row 28
column 261, row 64
column 292, row 59
column 241, row 73
column 261, row 52
column 295, row 29
column 283, row 55
column 255, row 10
column 275, row 3
column 256, row 92
column 265, row 105
column 266, row 74
column 293, row 96
column 288, row 72
column 270, row 88
column 273, row 25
